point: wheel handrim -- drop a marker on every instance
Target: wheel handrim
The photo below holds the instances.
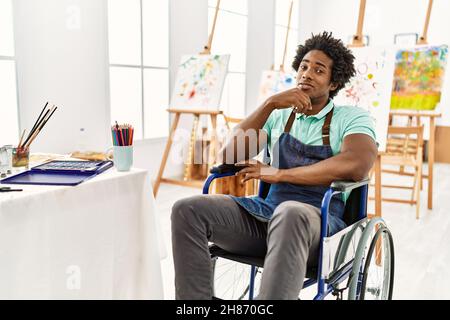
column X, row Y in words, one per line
column 378, row 268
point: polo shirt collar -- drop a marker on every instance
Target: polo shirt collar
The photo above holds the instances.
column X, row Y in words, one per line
column 321, row 114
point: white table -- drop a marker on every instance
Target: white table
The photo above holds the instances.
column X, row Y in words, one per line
column 98, row 240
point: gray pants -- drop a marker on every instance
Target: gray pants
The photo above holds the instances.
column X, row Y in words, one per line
column 289, row 242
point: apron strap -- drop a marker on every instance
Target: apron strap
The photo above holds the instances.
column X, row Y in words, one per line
column 325, row 127
column 289, row 123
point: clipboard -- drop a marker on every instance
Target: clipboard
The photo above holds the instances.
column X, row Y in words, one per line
column 60, row 173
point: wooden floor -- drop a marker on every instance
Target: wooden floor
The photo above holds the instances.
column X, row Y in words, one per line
column 422, row 247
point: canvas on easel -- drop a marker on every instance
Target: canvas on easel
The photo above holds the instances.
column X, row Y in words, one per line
column 418, row 77
column 421, row 98
column 197, row 91
column 371, row 87
column 199, row 82
column 418, row 81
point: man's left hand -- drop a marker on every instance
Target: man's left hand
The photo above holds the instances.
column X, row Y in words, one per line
column 257, row 170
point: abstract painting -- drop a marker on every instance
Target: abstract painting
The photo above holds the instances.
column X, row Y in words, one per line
column 371, row 87
column 199, row 82
column 273, row 82
column 418, row 77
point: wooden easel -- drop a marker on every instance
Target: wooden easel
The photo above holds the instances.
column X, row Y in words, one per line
column 423, row 37
column 432, row 115
column 187, row 181
column 358, row 37
column 376, row 169
column 287, row 35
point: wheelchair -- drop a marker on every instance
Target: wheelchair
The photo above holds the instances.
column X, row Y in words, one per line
column 357, row 261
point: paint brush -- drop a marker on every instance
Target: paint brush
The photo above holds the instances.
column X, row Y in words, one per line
column 21, row 138
column 36, row 125
column 39, row 117
column 41, row 126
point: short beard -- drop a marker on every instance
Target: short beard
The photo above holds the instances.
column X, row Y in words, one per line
column 316, row 100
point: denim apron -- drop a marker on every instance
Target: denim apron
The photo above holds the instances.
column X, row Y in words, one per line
column 291, row 153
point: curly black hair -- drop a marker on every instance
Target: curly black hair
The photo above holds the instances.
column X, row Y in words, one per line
column 343, row 68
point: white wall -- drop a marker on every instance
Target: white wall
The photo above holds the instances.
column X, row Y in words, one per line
column 61, row 54
column 306, row 18
column 383, row 19
column 260, row 51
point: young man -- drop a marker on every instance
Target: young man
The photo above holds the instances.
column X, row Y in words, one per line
column 313, row 143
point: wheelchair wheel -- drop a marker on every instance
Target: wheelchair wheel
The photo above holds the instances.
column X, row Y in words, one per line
column 372, row 276
column 231, row 280
column 378, row 273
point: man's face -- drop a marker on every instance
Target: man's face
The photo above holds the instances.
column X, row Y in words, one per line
column 314, row 75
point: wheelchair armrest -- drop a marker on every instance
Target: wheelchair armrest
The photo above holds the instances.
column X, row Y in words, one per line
column 225, row 168
column 221, row 171
column 345, row 186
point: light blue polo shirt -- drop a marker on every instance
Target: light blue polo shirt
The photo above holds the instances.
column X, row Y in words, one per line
column 308, row 129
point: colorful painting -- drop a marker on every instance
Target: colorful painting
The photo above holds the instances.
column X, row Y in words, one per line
column 273, row 82
column 371, row 87
column 418, row 77
column 199, row 82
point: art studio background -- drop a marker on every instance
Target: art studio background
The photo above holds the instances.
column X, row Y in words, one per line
column 103, row 61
